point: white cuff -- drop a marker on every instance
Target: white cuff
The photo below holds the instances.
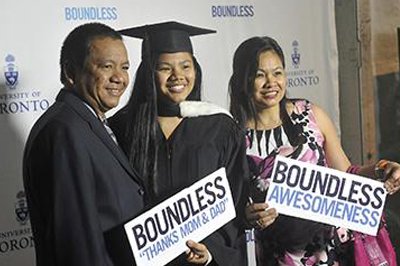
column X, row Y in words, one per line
column 209, row 258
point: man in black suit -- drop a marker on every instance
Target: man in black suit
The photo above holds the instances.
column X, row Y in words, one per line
column 78, row 182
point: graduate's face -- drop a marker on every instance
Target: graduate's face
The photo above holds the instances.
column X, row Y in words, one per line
column 270, row 81
column 175, row 75
column 104, row 77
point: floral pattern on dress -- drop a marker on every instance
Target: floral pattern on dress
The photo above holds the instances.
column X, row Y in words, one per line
column 264, row 145
column 262, row 148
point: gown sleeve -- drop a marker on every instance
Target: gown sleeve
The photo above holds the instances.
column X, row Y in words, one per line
column 228, row 244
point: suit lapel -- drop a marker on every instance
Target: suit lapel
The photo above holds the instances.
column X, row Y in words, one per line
column 98, row 129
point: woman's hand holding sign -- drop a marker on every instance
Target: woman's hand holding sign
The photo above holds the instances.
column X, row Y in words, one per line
column 259, row 215
column 197, row 253
column 390, row 171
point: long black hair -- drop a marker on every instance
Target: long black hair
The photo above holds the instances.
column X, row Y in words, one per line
column 141, row 127
column 241, row 84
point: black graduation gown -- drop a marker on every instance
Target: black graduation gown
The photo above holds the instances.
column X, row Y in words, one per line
column 79, row 184
column 198, row 147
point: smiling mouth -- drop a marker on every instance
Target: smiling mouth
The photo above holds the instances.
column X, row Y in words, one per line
column 269, row 94
column 115, row 92
column 176, row 88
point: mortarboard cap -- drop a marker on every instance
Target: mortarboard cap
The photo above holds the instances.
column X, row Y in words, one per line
column 166, row 37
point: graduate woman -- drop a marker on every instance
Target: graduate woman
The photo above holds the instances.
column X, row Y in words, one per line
column 171, row 151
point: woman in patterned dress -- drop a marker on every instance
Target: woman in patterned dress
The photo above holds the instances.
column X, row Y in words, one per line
column 297, row 129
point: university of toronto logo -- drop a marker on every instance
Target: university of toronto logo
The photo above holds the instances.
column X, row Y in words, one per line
column 11, row 72
column 21, row 208
column 295, row 54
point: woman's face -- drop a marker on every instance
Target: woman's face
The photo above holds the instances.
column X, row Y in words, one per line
column 175, row 74
column 270, row 81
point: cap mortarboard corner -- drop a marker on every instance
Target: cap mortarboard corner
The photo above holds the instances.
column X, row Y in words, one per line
column 166, row 37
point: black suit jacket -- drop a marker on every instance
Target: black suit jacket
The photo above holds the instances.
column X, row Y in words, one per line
column 78, row 184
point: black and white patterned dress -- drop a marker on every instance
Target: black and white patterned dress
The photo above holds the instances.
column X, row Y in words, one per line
column 289, row 241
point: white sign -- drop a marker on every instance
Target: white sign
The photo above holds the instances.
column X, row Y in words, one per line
column 326, row 195
column 160, row 234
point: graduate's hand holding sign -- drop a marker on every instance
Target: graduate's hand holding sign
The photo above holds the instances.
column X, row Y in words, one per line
column 197, row 253
column 326, row 195
column 159, row 235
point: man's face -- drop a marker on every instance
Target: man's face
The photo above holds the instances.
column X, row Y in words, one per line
column 104, row 76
